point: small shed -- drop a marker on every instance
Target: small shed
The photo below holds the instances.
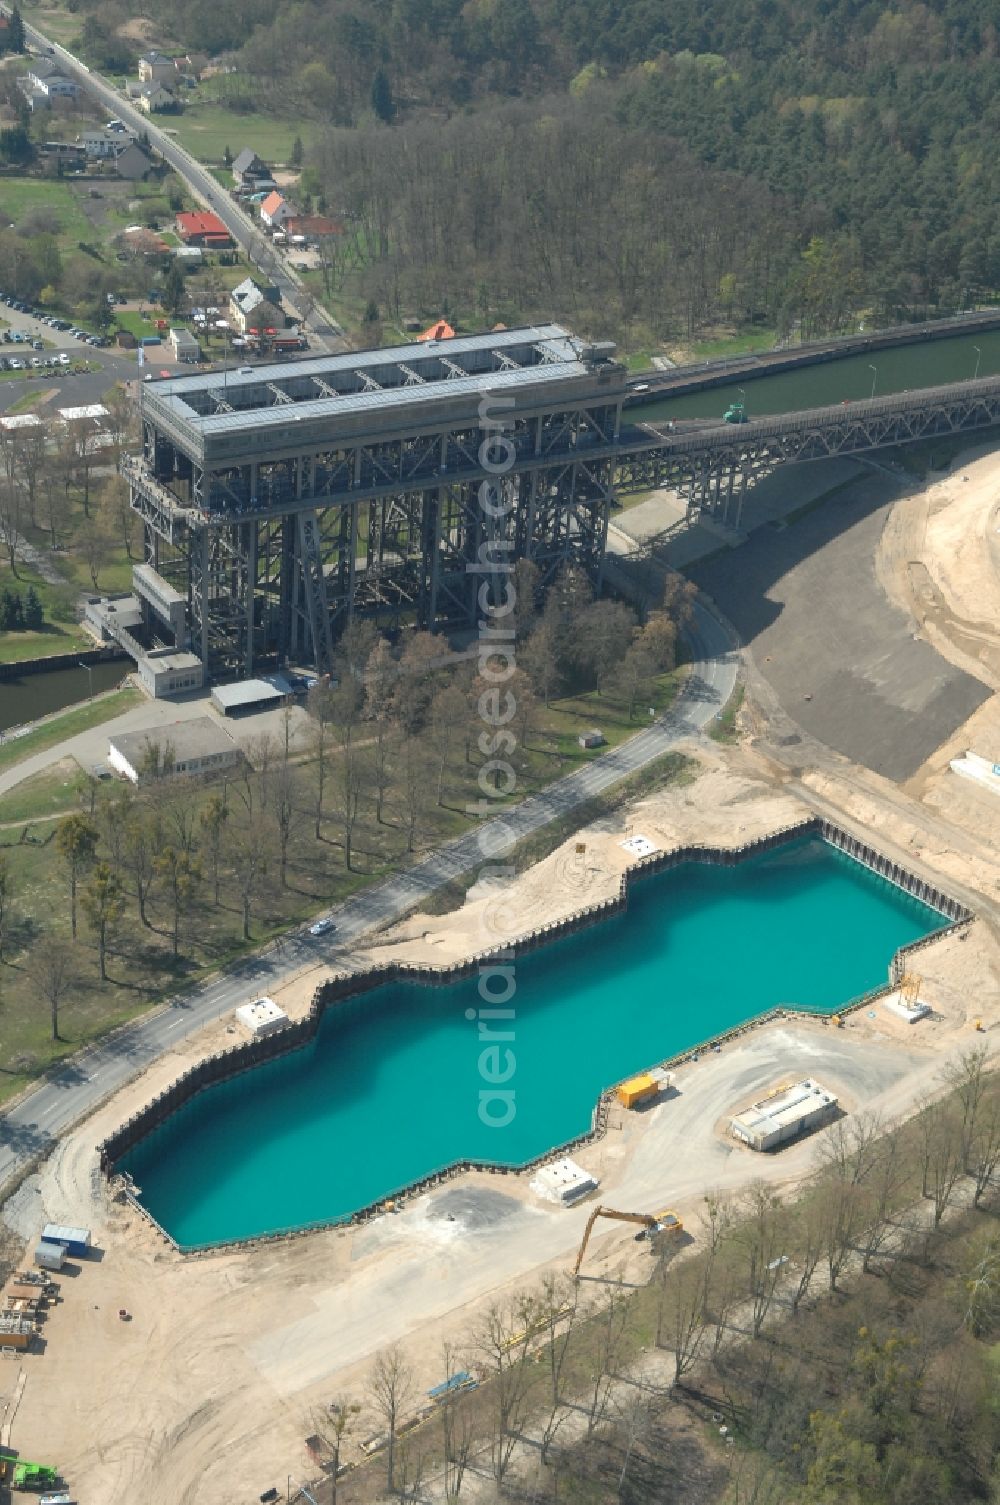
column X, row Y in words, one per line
column 50, row 1256
column 261, row 1018
column 593, row 738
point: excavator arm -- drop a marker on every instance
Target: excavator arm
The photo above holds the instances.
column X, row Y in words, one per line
column 642, row 1218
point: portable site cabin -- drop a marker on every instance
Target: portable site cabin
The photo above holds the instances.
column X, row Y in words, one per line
column 563, row 1182
column 637, row 1090
column 50, row 1256
column 74, row 1240
column 784, row 1113
column 261, row 1018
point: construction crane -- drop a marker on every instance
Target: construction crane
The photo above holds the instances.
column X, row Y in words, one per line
column 660, row 1222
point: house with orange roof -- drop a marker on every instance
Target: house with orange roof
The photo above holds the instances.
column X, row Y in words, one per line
column 275, row 210
column 440, row 330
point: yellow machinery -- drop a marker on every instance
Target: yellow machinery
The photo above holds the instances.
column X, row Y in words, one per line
column 909, row 990
column 659, row 1222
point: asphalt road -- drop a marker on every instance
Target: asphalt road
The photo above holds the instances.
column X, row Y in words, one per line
column 35, row 1123
column 202, row 184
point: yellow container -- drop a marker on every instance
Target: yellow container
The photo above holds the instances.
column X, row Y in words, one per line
column 638, row 1089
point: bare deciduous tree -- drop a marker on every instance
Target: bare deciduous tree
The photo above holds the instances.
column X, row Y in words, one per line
column 502, row 1340
column 390, row 1391
column 53, row 971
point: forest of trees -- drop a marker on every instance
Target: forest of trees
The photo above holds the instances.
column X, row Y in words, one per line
column 662, row 166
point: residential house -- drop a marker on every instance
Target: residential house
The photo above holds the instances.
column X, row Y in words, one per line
column 249, row 170
column 252, row 307
column 155, row 99
column 44, row 83
column 203, row 229
column 156, row 68
column 99, row 144
column 275, row 210
column 191, row 64
column 132, row 163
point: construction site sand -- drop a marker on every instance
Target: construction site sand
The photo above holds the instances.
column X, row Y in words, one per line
column 209, row 1391
column 939, row 559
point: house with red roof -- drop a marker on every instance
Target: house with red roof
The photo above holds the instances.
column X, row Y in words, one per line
column 441, row 330
column 203, row 229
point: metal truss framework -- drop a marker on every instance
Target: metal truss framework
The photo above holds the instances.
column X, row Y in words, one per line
column 274, row 564
column 716, row 467
column 276, row 555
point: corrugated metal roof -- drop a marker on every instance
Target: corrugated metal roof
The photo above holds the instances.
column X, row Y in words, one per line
column 282, row 415
column 358, row 360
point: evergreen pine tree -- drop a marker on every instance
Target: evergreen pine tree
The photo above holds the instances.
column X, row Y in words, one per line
column 382, row 101
column 34, row 616
column 15, row 32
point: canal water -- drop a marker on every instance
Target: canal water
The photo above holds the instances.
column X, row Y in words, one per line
column 35, row 695
column 899, row 368
column 391, row 1087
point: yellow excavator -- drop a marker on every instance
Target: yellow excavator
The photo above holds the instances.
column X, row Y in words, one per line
column 651, row 1222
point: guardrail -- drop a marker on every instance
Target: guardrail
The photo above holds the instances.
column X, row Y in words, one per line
column 343, row 991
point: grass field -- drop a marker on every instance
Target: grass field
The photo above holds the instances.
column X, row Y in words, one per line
column 60, row 728
column 206, row 128
column 55, row 791
column 22, row 195
column 750, row 342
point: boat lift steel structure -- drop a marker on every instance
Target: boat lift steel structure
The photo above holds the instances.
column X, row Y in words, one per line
column 286, row 500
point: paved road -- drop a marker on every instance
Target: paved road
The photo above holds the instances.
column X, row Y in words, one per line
column 33, row 1126
column 203, row 185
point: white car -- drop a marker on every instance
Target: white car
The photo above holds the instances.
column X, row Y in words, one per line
column 321, row 927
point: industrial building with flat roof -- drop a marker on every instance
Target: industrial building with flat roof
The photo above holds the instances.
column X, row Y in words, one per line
column 187, row 747
column 783, row 1114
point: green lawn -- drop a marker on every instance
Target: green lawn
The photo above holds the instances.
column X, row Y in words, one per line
column 750, row 342
column 19, row 196
column 55, row 791
column 80, row 719
column 27, row 402
column 135, row 322
column 54, row 20
column 206, row 128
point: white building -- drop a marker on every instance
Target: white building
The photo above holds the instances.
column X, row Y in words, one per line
column 185, row 346
column 184, row 748
column 782, row 1114
column 261, row 1018
column 275, row 210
